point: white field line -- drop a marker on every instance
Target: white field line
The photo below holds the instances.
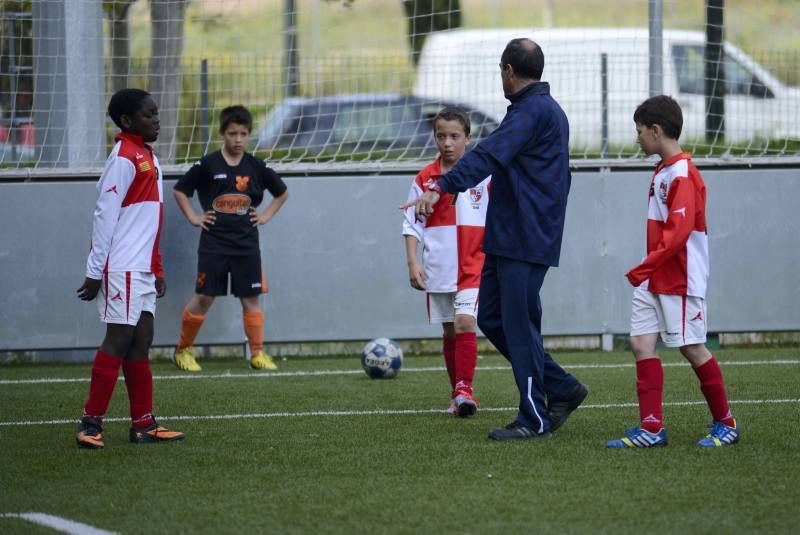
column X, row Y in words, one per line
column 377, row 412
column 331, row 373
column 59, row 524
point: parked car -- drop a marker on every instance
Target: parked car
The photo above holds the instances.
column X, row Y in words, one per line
column 369, row 124
column 463, row 65
column 17, row 140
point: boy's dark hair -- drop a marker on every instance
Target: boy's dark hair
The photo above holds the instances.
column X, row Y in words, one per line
column 525, row 56
column 663, row 111
column 453, row 114
column 125, row 102
column 235, row 114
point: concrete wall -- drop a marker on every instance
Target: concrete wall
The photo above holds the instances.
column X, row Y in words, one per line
column 335, row 261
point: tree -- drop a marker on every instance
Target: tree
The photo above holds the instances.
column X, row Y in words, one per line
column 119, row 40
column 424, row 17
column 164, row 70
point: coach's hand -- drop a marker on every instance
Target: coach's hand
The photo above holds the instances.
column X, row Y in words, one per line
column 89, row 289
column 161, row 286
column 423, row 205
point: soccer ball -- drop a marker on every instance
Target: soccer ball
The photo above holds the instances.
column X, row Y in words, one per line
column 381, row 358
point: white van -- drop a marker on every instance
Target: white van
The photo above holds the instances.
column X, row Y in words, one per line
column 463, row 65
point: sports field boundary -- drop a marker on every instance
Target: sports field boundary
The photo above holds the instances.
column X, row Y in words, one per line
column 331, row 373
column 375, row 412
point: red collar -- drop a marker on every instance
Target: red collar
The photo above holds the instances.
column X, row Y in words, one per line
column 671, row 160
column 133, row 138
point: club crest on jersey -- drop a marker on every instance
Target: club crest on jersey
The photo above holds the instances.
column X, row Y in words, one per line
column 232, row 203
column 431, row 181
column 145, row 166
column 662, row 191
column 242, row 182
column 475, row 195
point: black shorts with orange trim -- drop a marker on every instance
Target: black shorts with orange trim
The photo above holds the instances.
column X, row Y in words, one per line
column 246, row 275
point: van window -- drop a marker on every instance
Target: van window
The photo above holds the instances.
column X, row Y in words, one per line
column 690, row 71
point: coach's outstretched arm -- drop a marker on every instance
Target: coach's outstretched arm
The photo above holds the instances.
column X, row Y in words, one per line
column 495, row 152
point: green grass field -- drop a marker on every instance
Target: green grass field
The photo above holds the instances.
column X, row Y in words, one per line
column 319, row 447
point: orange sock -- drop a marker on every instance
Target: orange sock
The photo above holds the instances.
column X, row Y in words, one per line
column 254, row 329
column 190, row 326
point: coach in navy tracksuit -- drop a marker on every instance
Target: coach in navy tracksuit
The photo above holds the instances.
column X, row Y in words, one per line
column 528, row 158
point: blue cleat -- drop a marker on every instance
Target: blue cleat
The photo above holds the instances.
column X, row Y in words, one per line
column 719, row 435
column 636, row 437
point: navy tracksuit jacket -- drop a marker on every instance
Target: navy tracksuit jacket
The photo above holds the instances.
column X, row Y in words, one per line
column 528, row 158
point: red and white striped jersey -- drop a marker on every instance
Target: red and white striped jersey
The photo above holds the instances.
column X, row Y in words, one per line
column 128, row 214
column 677, row 237
column 452, row 236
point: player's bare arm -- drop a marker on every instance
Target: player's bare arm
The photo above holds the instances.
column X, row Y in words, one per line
column 416, row 273
column 269, row 212
column 161, row 287
column 204, row 220
column 89, row 289
column 423, row 205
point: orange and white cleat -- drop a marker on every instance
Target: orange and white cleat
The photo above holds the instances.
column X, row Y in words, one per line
column 90, row 434
column 154, row 433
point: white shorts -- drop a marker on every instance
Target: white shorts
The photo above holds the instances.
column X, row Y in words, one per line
column 125, row 295
column 681, row 319
column 443, row 307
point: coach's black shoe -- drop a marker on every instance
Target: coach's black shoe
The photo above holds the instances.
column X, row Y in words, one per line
column 559, row 410
column 516, row 430
column 90, row 434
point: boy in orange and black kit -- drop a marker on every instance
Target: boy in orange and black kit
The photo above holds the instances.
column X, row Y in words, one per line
column 124, row 268
column 230, row 184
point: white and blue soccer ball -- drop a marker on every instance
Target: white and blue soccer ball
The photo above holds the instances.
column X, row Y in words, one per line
column 382, row 358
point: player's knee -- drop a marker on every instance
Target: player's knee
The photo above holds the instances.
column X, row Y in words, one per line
column 464, row 323
column 118, row 340
column 203, row 302
column 643, row 346
column 697, row 354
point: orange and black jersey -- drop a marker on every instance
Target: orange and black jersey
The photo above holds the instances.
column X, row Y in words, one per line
column 230, row 192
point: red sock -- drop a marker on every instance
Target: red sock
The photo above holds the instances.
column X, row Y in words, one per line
column 650, row 388
column 105, row 372
column 139, row 381
column 449, row 352
column 713, row 388
column 466, row 359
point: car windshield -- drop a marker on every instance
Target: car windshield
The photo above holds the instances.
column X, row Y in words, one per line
column 276, row 120
column 382, row 122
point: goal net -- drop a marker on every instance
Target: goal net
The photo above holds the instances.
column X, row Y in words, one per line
column 345, row 84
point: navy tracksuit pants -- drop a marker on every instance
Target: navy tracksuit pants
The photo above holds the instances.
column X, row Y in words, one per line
column 510, row 315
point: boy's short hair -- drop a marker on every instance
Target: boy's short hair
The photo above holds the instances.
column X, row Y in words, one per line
column 525, row 56
column 663, row 111
column 125, row 102
column 235, row 114
column 453, row 114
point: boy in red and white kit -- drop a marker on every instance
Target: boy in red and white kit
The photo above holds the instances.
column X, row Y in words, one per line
column 671, row 281
column 124, row 267
column 452, row 257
